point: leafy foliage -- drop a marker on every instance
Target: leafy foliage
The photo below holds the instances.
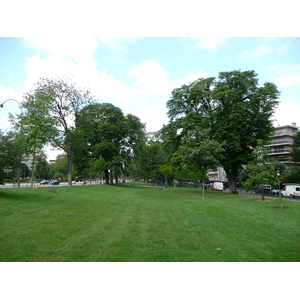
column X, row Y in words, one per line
column 107, row 134
column 262, row 171
column 200, row 152
column 10, row 155
column 63, row 102
column 295, row 154
column 234, row 108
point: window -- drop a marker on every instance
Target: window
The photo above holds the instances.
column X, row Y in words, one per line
column 279, row 149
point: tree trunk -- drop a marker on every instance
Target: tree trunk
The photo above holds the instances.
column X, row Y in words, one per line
column 19, row 174
column 33, row 167
column 263, row 194
column 116, row 178
column 106, row 173
column 203, row 188
column 111, row 178
column 231, row 176
column 70, row 161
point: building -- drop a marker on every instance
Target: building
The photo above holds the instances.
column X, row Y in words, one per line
column 281, row 145
column 217, row 175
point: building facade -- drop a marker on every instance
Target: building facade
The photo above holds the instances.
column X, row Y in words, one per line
column 281, row 145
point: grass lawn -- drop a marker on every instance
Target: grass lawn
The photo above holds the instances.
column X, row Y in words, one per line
column 131, row 223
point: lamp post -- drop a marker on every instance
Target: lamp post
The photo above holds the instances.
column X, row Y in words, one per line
column 278, row 174
column 1, row 105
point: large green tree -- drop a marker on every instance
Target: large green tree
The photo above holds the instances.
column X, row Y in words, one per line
column 61, row 101
column 108, row 134
column 234, row 107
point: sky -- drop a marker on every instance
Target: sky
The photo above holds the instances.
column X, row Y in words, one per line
column 139, row 74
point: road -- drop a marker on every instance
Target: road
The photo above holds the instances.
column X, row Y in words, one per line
column 10, row 185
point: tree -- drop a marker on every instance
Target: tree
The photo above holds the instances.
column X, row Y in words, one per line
column 236, row 110
column 64, row 102
column 151, row 162
column 105, row 132
column 200, row 152
column 10, row 155
column 43, row 169
column 60, row 167
column 262, row 170
column 35, row 126
column 295, row 154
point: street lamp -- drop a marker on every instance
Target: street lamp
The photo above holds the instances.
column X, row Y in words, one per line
column 1, row 105
column 278, row 174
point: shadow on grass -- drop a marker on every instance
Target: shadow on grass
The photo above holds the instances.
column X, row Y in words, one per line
column 19, row 195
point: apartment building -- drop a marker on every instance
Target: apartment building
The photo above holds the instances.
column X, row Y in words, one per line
column 281, row 144
column 217, row 175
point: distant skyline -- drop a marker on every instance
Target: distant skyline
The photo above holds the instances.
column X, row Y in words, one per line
column 139, row 74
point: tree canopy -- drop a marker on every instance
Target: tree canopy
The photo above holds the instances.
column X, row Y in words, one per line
column 108, row 134
column 59, row 102
column 262, row 171
column 200, row 152
column 234, row 107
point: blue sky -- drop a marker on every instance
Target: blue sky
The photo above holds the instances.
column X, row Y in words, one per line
column 139, row 74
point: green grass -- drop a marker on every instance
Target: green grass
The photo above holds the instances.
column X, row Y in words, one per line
column 131, row 223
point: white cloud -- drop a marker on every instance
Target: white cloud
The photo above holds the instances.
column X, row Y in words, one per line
column 288, row 74
column 151, row 83
column 50, row 66
column 257, row 52
column 270, row 45
column 149, row 73
column 206, row 43
column 153, row 116
column 283, row 44
column 210, row 43
column 287, row 112
column 191, row 76
column 80, row 49
column 117, row 43
column 288, row 80
column 284, row 68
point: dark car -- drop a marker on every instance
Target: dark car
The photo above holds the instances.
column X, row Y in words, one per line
column 274, row 192
column 54, row 182
column 260, row 189
column 44, row 182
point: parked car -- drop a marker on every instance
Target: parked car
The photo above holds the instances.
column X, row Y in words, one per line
column 274, row 192
column 54, row 182
column 44, row 182
column 291, row 191
column 266, row 188
column 73, row 182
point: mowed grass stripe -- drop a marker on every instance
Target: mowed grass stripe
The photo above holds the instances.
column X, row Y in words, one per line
column 128, row 223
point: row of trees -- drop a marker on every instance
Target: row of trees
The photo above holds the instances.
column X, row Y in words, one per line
column 213, row 122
